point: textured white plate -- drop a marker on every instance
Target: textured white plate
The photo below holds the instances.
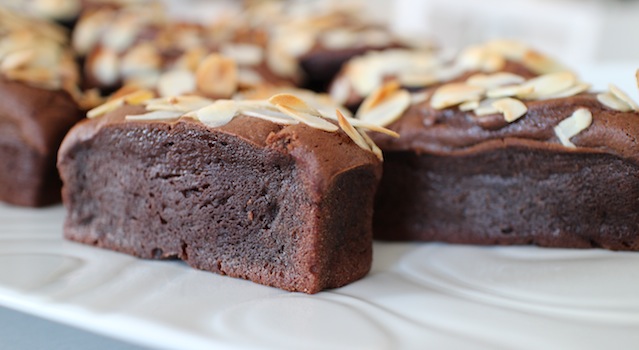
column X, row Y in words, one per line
column 417, row 296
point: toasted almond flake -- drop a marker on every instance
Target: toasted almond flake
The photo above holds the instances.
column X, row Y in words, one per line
column 469, row 106
column 281, row 63
column 191, row 59
column 511, row 49
column 219, row 113
column 340, row 90
column 248, row 78
column 579, row 121
column 455, row 93
column 178, row 103
column 511, row 108
column 133, row 98
column 217, row 76
column 289, row 100
column 16, row 60
column 617, row 92
column 40, row 77
column 611, row 101
column 122, row 33
column 243, row 54
column 378, row 96
column 541, row 64
column 105, row 67
column 490, row 81
column 418, row 97
column 140, row 60
column 274, row 116
column 480, row 58
column 351, row 132
column 89, row 30
column 418, row 79
column 484, row 110
column 549, row 84
column 176, row 82
column 376, row 150
column 338, row 39
column 308, row 119
column 576, row 89
column 389, row 110
column 510, row 90
column 154, row 115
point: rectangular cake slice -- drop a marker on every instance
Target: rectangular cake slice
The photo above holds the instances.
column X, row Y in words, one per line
column 240, row 189
column 540, row 161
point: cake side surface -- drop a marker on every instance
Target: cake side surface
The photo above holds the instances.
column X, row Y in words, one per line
column 521, row 193
column 33, row 123
column 250, row 199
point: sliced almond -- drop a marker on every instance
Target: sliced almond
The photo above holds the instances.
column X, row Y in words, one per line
column 351, row 132
column 338, row 39
column 105, row 67
column 179, row 103
column 217, row 76
column 340, row 90
column 248, row 78
column 376, row 150
column 140, row 60
column 623, row 96
column 122, row 33
column 271, row 115
column 308, row 119
column 611, row 101
column 469, row 106
column 155, row 115
column 541, row 64
column 89, row 30
column 418, row 97
column 176, row 82
column 486, row 108
column 579, row 121
column 243, row 54
column 571, row 91
column 389, row 110
column 511, row 108
column 418, row 80
column 510, row 90
column 219, row 113
column 490, row 81
column 549, row 84
column 16, row 60
column 455, row 93
column 378, row 96
column 133, row 98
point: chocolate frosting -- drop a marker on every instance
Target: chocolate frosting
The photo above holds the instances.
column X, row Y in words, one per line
column 450, row 131
column 324, row 154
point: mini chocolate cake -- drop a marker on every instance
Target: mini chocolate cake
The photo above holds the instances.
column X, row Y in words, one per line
column 38, row 77
column 536, row 161
column 237, row 188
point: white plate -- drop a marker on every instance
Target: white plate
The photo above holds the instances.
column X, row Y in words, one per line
column 417, row 295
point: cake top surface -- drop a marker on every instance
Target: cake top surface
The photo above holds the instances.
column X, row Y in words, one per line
column 553, row 110
column 418, row 69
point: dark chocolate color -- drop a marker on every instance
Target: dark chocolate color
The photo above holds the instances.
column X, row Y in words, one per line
column 454, row 177
column 33, row 122
column 289, row 207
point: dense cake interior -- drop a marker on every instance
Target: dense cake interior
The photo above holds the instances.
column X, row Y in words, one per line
column 520, row 194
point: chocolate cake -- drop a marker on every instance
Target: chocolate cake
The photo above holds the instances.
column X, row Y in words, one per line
column 38, row 91
column 271, row 192
column 538, row 161
column 419, row 69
